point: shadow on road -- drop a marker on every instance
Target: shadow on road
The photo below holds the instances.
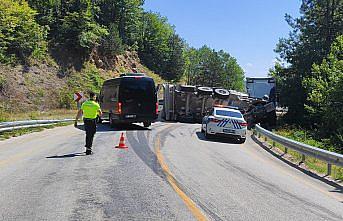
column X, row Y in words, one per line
column 201, row 136
column 71, row 155
column 105, row 127
column 338, row 187
column 141, row 147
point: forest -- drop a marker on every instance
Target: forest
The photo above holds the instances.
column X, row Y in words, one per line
column 310, row 70
column 31, row 30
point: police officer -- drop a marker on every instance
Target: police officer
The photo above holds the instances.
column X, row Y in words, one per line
column 90, row 111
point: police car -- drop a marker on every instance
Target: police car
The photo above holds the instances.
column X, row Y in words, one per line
column 224, row 121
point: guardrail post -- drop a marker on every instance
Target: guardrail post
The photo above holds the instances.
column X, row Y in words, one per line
column 302, row 158
column 329, row 169
column 302, row 149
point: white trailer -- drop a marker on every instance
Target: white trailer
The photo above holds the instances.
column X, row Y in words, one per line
column 258, row 87
column 190, row 103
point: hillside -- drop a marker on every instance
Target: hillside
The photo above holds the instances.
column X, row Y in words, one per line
column 46, row 85
column 50, row 49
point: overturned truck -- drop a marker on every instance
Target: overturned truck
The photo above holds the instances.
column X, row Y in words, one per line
column 185, row 103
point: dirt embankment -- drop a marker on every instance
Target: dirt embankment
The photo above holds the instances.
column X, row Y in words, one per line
column 50, row 85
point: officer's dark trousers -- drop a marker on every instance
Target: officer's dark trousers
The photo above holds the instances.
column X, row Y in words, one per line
column 90, row 128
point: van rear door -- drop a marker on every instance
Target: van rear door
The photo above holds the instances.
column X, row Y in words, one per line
column 138, row 96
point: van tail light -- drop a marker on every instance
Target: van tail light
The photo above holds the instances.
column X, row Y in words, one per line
column 156, row 108
column 119, row 111
column 214, row 120
column 243, row 124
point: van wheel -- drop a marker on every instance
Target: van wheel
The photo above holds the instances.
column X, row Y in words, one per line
column 146, row 124
column 111, row 121
column 242, row 140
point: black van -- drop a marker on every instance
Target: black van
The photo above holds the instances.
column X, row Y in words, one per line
column 131, row 98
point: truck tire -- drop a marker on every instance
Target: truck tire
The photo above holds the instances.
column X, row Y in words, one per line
column 205, row 90
column 221, row 93
column 187, row 88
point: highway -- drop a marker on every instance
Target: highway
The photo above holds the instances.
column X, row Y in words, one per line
column 169, row 172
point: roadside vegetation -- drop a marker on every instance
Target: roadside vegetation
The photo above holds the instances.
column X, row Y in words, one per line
column 57, row 114
column 309, row 74
column 312, row 164
column 51, row 49
column 20, row 132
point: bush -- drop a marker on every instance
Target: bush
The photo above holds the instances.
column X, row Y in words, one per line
column 325, row 94
column 2, row 82
column 92, row 36
column 20, row 36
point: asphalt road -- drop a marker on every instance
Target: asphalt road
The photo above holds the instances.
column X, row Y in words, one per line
column 170, row 172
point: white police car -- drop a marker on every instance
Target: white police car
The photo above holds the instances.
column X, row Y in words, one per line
column 224, row 121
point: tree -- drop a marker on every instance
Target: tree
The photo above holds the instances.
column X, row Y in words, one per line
column 112, row 45
column 155, row 43
column 309, row 42
column 325, row 99
column 205, row 66
column 20, row 36
column 126, row 14
column 174, row 66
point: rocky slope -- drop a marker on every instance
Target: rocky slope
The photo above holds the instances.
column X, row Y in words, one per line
column 44, row 86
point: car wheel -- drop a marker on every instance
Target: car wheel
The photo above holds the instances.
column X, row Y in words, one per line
column 146, row 124
column 242, row 140
column 207, row 136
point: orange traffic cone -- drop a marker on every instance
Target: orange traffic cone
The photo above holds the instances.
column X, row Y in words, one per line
column 122, row 142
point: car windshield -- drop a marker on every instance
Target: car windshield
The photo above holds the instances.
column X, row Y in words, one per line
column 227, row 113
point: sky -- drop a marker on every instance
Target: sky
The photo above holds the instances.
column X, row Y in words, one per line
column 247, row 29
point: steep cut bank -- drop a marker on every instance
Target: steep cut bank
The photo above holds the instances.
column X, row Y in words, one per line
column 46, row 85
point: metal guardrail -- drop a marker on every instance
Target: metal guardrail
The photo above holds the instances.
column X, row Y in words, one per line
column 306, row 150
column 15, row 125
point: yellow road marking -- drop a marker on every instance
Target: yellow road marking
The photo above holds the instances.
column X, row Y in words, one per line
column 188, row 201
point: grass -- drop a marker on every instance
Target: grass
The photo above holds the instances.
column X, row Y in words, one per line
column 38, row 115
column 311, row 163
column 20, row 132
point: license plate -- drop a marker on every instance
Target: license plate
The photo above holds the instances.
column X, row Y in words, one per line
column 229, row 125
column 228, row 131
column 130, row 116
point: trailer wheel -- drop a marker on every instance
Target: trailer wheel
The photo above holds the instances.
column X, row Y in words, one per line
column 205, row 90
column 187, row 88
column 221, row 93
